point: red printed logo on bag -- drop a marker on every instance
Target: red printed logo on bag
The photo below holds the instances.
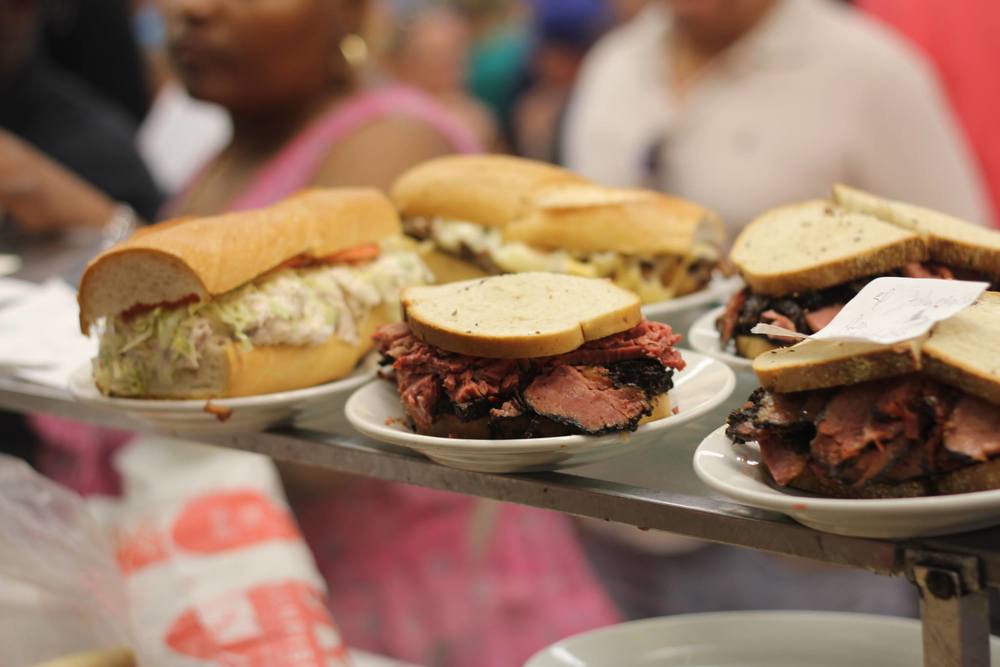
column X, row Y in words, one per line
column 230, row 520
column 140, row 547
column 271, row 625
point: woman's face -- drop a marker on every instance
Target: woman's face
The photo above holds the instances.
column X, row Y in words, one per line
column 257, row 55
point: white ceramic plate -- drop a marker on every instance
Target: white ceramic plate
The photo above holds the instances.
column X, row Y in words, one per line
column 704, row 337
column 747, row 639
column 737, row 472
column 680, row 312
column 247, row 413
column 375, row 410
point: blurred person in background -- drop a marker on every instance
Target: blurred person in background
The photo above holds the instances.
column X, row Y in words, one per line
column 429, row 49
column 743, row 105
column 95, row 42
column 178, row 134
column 66, row 153
column 501, row 42
column 960, row 38
column 563, row 31
column 746, row 104
column 432, row 577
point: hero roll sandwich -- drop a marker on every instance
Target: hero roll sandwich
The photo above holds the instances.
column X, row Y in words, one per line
column 493, row 214
column 803, row 262
column 528, row 355
column 250, row 302
column 862, row 420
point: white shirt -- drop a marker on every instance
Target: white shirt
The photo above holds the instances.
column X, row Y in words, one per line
column 179, row 135
column 814, row 94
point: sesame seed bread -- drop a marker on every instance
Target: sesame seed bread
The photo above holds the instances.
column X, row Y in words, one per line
column 520, row 315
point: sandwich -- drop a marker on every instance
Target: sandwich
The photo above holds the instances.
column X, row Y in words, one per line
column 803, row 262
column 247, row 303
column 862, row 420
column 528, row 355
column 493, row 215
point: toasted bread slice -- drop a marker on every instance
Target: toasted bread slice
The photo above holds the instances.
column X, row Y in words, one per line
column 520, row 315
column 489, row 190
column 813, row 245
column 818, row 364
column 753, row 346
column 591, row 218
column 983, row 476
column 951, row 241
column 964, row 350
column 207, row 257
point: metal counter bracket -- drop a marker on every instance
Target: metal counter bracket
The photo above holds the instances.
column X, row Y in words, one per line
column 954, row 608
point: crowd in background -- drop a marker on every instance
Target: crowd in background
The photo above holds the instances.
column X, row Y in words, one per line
column 199, row 106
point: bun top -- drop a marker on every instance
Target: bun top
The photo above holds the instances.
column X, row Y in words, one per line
column 489, row 190
column 964, row 350
column 519, row 316
column 591, row 218
column 207, row 257
column 816, row 244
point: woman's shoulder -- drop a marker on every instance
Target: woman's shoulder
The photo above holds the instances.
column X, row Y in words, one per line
column 376, row 152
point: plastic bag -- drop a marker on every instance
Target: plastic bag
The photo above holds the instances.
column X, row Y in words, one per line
column 200, row 564
column 217, row 571
column 60, row 590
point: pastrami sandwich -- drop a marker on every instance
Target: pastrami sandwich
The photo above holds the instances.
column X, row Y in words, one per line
column 528, row 355
column 803, row 262
column 247, row 303
column 861, row 420
column 494, row 214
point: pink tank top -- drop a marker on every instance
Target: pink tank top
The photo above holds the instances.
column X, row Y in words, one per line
column 295, row 165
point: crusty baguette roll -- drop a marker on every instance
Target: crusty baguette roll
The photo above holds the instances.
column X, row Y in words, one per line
column 489, row 190
column 207, row 257
column 819, row 364
column 814, row 245
column 558, row 314
column 446, row 268
column 591, row 218
column 964, row 350
column 951, row 241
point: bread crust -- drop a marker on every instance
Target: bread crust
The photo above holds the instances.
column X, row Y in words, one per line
column 520, row 315
column 591, row 218
column 983, row 476
column 951, row 241
column 961, row 351
column 207, row 257
column 815, row 244
column 817, row 364
column 489, row 190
